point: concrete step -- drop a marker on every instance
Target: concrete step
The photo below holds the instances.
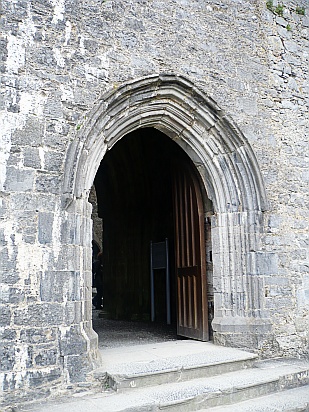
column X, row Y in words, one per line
column 291, row 400
column 150, row 365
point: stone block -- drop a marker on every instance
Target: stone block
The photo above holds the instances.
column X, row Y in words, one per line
column 266, row 263
column 51, row 139
column 31, row 134
column 278, row 281
column 60, row 286
column 32, row 202
column 15, row 158
column 3, row 237
column 305, row 175
column 9, row 294
column 304, row 268
column 53, row 107
column 279, row 291
column 48, row 183
column 5, row 315
column 19, row 180
column 302, row 324
column 33, row 335
column 280, row 305
column 15, row 396
column 68, row 258
column 248, row 105
column 44, row 56
column 238, row 340
column 291, row 46
column 32, row 158
column 10, row 277
column 7, row 334
column 299, row 254
column 9, row 384
column 3, row 49
column 7, row 358
column 26, row 224
column 43, row 377
column 74, row 312
column 3, row 207
column 65, row 232
column 45, row 226
column 72, row 342
column 274, row 222
column 29, row 235
column 45, row 356
column 39, row 315
column 78, row 367
column 70, row 230
column 54, row 161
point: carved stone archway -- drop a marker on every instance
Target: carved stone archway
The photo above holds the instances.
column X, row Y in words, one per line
column 230, row 174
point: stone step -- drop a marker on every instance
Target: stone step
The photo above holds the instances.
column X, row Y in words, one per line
column 202, row 393
column 150, row 365
column 291, row 400
column 231, row 388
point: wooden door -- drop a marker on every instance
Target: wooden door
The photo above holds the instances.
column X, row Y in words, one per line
column 192, row 316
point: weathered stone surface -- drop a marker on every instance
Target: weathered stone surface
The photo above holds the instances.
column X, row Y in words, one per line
column 60, row 286
column 12, row 295
column 33, row 202
column 7, row 259
column 78, row 367
column 30, row 135
column 48, row 184
column 38, row 335
column 10, row 354
column 32, row 158
column 45, row 226
column 19, row 180
column 39, row 315
column 72, row 342
column 45, row 356
column 70, row 92
column 42, row 377
column 7, row 334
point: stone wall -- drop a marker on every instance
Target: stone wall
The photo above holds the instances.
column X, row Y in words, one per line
column 58, row 58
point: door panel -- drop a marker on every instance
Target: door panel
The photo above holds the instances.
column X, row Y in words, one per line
column 192, row 318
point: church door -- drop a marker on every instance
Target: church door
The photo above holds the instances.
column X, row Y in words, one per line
column 192, row 316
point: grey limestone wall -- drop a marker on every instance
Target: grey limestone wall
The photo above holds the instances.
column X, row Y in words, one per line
column 58, row 58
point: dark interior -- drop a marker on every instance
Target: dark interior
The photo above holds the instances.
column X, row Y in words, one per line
column 134, row 192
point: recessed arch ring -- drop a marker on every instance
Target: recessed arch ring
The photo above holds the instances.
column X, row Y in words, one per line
column 172, row 104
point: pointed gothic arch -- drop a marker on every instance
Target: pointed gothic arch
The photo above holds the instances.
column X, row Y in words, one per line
column 228, row 169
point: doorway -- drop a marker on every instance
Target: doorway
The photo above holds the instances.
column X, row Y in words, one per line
column 136, row 186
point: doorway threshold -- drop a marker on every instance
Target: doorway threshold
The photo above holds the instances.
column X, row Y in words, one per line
column 122, row 333
column 165, row 362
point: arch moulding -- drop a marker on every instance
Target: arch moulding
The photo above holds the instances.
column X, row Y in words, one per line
column 228, row 170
